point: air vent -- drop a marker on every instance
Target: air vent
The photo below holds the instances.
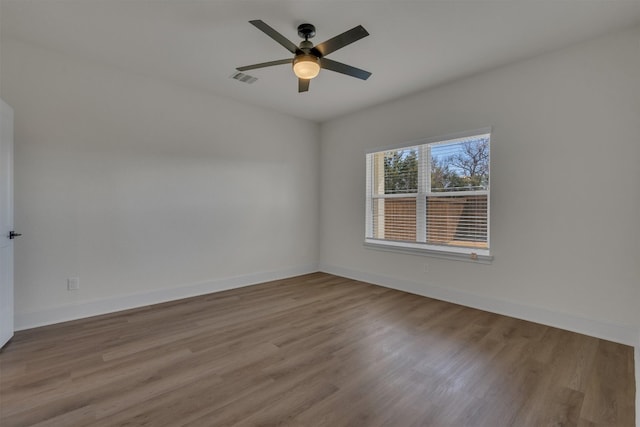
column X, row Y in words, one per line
column 245, row 78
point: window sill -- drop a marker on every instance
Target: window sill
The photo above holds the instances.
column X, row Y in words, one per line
column 442, row 254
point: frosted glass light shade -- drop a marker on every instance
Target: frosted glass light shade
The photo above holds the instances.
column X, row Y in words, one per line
column 306, row 66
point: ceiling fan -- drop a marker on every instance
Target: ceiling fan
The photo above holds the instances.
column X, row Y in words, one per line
column 309, row 59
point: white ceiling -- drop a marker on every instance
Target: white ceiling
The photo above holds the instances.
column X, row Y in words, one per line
column 414, row 45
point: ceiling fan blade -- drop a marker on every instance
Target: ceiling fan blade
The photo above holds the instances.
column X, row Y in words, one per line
column 303, row 85
column 265, row 64
column 262, row 26
column 341, row 40
column 339, row 67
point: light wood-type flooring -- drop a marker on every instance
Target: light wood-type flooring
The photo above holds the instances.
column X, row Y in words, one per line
column 314, row 350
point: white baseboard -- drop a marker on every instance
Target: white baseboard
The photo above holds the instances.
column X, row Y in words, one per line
column 125, row 302
column 624, row 334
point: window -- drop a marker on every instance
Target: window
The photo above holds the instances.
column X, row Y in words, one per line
column 431, row 196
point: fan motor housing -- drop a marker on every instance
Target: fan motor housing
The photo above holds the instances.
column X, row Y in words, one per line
column 306, row 45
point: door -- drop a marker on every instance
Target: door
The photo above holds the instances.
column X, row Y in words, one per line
column 6, row 223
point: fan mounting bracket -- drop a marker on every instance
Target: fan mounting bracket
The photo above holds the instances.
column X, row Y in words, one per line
column 306, row 31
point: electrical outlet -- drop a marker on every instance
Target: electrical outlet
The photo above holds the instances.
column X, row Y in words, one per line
column 425, row 268
column 73, row 283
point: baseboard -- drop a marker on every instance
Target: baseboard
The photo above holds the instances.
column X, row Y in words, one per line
column 125, row 302
column 624, row 334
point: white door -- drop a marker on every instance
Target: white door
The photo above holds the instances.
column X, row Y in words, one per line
column 6, row 223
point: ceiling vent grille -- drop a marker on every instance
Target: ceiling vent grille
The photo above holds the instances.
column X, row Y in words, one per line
column 242, row 77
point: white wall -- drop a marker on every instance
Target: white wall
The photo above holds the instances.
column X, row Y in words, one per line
column 565, row 210
column 148, row 191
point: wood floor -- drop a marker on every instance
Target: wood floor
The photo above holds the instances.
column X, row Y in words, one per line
column 315, row 350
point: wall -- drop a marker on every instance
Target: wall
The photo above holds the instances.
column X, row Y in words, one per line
column 148, row 191
column 564, row 208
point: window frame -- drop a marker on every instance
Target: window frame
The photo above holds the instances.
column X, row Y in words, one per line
column 420, row 246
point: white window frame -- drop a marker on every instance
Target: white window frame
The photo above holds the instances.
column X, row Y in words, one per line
column 421, row 247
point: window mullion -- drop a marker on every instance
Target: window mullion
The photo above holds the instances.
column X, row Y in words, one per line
column 421, row 199
column 378, row 166
column 369, row 198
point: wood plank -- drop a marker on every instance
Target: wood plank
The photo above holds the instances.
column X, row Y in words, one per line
column 313, row 350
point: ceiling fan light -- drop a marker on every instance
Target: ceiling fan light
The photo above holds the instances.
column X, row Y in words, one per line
column 306, row 66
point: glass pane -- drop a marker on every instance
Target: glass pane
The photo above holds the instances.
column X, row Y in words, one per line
column 457, row 221
column 460, row 165
column 395, row 219
column 396, row 171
